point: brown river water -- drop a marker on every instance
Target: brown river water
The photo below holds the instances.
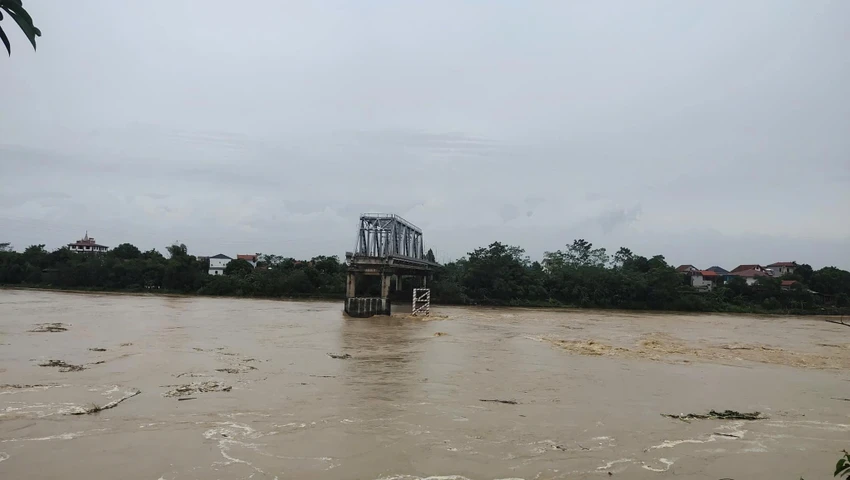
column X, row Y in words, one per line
column 263, row 399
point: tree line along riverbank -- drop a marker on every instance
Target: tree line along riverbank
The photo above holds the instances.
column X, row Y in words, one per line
column 498, row 274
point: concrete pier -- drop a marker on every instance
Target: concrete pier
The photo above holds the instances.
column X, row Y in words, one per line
column 367, row 306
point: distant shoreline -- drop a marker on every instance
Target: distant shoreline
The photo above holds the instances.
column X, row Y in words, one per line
column 772, row 314
column 135, row 293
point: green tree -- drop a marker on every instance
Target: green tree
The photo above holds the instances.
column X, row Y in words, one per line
column 15, row 10
column 176, row 251
column 238, row 267
column 580, row 254
column 622, row 257
column 805, row 272
column 6, row 247
column 430, row 256
column 497, row 274
column 126, row 251
column 830, row 280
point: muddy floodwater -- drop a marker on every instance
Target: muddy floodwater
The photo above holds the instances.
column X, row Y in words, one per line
column 162, row 388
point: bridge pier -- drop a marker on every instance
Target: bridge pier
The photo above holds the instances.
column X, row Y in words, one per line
column 350, row 285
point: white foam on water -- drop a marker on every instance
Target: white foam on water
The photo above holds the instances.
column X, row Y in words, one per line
column 226, row 434
column 615, row 462
column 146, row 425
column 62, row 436
column 674, row 443
column 438, row 477
column 34, row 388
column 667, row 465
column 4, row 456
column 832, row 427
column 112, row 390
column 290, row 425
column 734, row 430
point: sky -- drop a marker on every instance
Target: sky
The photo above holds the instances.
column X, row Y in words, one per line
column 714, row 132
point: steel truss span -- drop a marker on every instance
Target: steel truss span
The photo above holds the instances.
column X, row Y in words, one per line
column 385, row 235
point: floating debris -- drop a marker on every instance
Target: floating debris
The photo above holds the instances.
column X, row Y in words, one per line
column 507, row 402
column 186, row 398
column 715, row 415
column 126, row 344
column 202, row 387
column 49, row 328
column 440, row 334
column 94, row 408
column 63, row 366
column 9, row 386
column 97, row 349
column 340, row 356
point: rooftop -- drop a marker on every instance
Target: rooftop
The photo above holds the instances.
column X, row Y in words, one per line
column 783, row 264
column 221, row 256
column 86, row 241
column 741, row 268
column 750, row 273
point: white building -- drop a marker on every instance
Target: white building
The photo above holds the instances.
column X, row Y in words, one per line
column 218, row 263
column 87, row 245
column 782, row 268
column 704, row 280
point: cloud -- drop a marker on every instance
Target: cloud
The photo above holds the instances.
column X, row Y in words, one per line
column 469, row 122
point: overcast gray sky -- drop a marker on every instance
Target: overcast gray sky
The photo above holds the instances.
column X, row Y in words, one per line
column 713, row 132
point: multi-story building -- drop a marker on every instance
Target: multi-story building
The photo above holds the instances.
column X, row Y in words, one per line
column 218, row 263
column 87, row 245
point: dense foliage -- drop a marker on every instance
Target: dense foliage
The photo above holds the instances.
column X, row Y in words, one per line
column 584, row 276
column 126, row 268
column 580, row 276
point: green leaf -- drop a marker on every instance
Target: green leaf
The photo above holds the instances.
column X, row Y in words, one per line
column 841, row 466
column 5, row 41
column 27, row 27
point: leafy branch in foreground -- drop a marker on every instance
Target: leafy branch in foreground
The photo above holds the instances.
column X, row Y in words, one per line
column 15, row 10
column 842, row 468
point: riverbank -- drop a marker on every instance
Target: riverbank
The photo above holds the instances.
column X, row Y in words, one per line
column 163, row 293
column 405, row 297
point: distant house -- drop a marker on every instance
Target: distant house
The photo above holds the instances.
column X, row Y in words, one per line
column 705, row 280
column 250, row 258
column 782, row 268
column 87, row 245
column 756, row 267
column 218, row 263
column 751, row 275
column 788, row 285
column 686, row 269
column 723, row 275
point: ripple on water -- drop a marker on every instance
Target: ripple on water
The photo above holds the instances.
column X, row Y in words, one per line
column 437, row 477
